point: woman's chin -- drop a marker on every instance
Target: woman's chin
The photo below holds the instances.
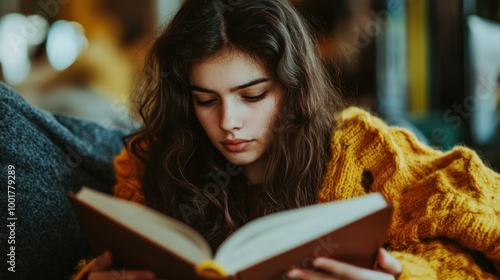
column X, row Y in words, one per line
column 240, row 161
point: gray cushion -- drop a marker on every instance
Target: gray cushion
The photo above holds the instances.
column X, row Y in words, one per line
column 52, row 154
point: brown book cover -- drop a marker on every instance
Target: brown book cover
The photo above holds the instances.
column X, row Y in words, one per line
column 356, row 242
column 130, row 249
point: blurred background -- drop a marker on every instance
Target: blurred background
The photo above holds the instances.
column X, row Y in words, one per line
column 430, row 66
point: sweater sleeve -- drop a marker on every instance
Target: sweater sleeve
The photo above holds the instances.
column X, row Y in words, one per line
column 414, row 267
column 128, row 186
column 447, row 204
column 83, row 269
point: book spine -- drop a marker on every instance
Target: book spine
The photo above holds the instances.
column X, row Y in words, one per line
column 418, row 58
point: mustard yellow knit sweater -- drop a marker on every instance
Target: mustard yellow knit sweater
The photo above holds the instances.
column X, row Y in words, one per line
column 446, row 223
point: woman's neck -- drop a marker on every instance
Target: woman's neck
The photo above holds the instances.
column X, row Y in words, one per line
column 254, row 172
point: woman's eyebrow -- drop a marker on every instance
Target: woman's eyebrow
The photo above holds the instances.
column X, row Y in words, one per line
column 249, row 84
column 233, row 89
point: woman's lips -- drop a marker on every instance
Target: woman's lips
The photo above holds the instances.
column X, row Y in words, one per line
column 236, row 145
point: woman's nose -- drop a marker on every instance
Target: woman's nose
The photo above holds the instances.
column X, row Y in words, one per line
column 231, row 116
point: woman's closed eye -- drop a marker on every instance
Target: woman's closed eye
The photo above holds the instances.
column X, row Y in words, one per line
column 205, row 103
column 256, row 98
column 249, row 98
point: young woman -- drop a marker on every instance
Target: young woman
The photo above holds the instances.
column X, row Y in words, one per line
column 238, row 86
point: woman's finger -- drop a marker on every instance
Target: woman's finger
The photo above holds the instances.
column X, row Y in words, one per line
column 123, row 274
column 103, row 263
column 347, row 271
column 309, row 275
column 103, row 269
column 388, row 263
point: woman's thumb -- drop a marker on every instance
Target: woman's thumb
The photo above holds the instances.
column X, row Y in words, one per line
column 103, row 262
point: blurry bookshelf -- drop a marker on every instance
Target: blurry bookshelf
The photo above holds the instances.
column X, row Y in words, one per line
column 422, row 64
column 438, row 66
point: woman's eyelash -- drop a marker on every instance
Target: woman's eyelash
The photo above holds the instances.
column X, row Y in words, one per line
column 248, row 98
column 205, row 103
column 256, row 98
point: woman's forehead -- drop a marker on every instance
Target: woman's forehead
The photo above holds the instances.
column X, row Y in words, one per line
column 236, row 66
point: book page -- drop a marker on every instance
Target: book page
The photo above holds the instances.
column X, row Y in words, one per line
column 163, row 230
column 271, row 235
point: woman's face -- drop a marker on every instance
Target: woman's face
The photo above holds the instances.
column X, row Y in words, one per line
column 236, row 103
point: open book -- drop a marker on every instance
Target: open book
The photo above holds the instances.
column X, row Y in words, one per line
column 266, row 248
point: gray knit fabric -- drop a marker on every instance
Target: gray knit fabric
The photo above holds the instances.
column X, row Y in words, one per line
column 52, row 154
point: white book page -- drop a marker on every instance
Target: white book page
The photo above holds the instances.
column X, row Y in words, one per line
column 163, row 230
column 277, row 233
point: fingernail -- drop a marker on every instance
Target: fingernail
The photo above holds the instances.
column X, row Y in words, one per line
column 385, row 253
column 294, row 273
column 319, row 261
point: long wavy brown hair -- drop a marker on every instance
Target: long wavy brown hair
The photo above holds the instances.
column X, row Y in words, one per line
column 183, row 174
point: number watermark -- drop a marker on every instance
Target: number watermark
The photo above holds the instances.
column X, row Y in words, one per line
column 11, row 218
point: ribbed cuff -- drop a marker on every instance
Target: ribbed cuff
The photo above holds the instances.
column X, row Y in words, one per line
column 83, row 269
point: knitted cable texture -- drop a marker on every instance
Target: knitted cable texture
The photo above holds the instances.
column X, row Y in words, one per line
column 447, row 203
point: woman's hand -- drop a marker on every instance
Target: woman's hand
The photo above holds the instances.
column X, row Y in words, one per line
column 103, row 269
column 388, row 268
